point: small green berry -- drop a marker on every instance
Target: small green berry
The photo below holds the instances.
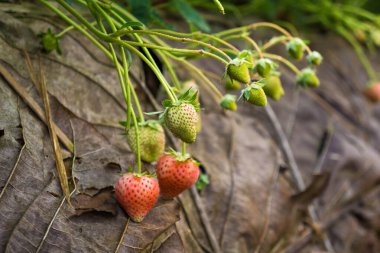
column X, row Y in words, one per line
column 229, row 102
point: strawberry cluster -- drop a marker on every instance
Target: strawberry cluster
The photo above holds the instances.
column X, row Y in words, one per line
column 177, row 172
column 248, row 66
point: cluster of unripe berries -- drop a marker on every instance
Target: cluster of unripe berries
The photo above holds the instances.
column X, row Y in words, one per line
column 268, row 84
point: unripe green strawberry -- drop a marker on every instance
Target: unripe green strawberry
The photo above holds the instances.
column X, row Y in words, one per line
column 152, row 140
column 264, row 67
column 193, row 88
column 182, row 121
column 255, row 95
column 238, row 70
column 229, row 102
column 307, row 78
column 314, row 58
column 375, row 36
column 273, row 87
column 295, row 48
column 231, row 84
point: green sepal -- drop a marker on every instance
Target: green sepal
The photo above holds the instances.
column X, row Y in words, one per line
column 130, row 169
column 295, row 48
column 264, row 67
column 308, row 78
column 50, row 41
column 229, row 102
column 314, row 58
column 202, row 181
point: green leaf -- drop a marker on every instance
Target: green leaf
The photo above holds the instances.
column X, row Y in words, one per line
column 141, row 9
column 123, row 123
column 202, row 182
column 167, row 103
column 247, row 94
column 190, row 14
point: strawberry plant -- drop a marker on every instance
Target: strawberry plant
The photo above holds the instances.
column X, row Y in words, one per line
column 124, row 38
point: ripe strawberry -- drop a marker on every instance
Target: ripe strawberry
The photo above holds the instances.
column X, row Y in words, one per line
column 273, row 87
column 295, row 48
column 307, row 78
column 231, row 84
column 373, row 92
column 238, row 70
column 175, row 175
column 152, row 140
column 137, row 195
column 182, row 120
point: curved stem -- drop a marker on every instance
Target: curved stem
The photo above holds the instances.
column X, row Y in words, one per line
column 274, row 41
column 67, row 29
column 197, row 34
column 254, row 45
column 168, row 65
column 185, row 40
column 359, row 52
column 283, row 60
column 122, row 43
column 138, row 105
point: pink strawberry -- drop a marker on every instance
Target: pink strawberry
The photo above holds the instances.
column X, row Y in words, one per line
column 137, row 195
column 175, row 175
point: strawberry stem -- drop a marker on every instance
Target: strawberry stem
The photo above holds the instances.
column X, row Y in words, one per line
column 126, row 87
column 183, row 149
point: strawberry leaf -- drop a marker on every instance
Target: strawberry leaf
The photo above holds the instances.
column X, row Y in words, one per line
column 246, row 94
column 202, row 182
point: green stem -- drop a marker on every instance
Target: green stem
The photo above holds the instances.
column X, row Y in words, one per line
column 125, row 83
column 147, row 53
column 283, row 60
column 183, row 148
column 169, row 66
column 67, row 29
column 138, row 105
column 78, row 27
column 122, row 43
column 197, row 34
column 185, row 40
column 254, row 45
column 359, row 52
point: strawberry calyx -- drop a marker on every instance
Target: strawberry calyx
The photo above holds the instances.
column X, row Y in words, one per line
column 139, row 175
column 314, row 58
column 228, row 102
column 180, row 157
column 295, row 48
column 238, row 62
column 246, row 55
column 245, row 93
column 190, row 96
column 264, row 67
